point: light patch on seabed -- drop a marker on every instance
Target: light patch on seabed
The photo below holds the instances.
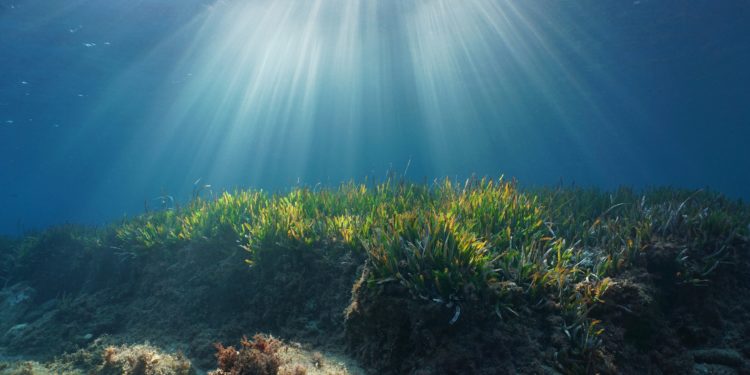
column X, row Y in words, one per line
column 292, row 356
column 317, row 363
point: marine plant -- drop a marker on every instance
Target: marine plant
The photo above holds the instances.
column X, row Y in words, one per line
column 483, row 242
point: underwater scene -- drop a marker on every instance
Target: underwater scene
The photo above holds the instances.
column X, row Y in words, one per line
column 242, row 187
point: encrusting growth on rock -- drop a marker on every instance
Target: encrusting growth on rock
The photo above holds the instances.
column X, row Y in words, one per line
column 256, row 357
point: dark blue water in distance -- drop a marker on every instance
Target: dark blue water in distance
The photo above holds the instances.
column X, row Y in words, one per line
column 107, row 104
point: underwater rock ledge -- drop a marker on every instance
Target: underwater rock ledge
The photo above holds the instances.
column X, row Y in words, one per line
column 480, row 277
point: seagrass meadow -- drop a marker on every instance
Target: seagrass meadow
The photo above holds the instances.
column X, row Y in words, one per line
column 449, row 277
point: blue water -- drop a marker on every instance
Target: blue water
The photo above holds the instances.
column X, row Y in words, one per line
column 106, row 105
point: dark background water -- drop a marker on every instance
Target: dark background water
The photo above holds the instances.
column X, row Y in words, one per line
column 106, row 105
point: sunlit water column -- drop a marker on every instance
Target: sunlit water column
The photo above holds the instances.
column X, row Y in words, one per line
column 322, row 88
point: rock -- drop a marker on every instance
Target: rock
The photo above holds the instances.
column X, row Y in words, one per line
column 16, row 329
column 710, row 369
column 716, row 356
column 546, row 370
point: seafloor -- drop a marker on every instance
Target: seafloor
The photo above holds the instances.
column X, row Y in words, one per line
column 473, row 278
